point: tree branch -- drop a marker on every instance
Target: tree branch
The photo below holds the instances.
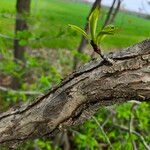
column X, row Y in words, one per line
column 147, row 147
column 4, row 89
column 79, row 96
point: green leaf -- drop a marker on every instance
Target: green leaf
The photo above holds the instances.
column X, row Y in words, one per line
column 79, row 30
column 93, row 22
column 23, row 42
column 108, row 30
column 44, row 80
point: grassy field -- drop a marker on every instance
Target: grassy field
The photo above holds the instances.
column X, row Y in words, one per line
column 49, row 20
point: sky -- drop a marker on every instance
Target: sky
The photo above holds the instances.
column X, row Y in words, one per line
column 133, row 5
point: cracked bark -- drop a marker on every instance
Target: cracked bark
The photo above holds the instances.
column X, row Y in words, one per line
column 80, row 95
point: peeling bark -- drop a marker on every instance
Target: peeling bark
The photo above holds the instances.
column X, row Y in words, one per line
column 79, row 96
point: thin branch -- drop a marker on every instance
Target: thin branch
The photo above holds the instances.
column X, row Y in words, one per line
column 80, row 95
column 131, row 125
column 135, row 133
column 107, row 119
column 4, row 89
column 135, row 102
column 103, row 132
column 6, row 37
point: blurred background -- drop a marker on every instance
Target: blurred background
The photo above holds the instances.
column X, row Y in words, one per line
column 37, row 50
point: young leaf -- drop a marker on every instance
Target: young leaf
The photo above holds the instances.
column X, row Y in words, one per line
column 108, row 30
column 93, row 22
column 79, row 30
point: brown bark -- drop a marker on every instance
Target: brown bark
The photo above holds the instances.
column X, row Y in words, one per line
column 79, row 96
column 83, row 41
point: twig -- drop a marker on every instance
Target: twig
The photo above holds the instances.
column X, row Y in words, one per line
column 4, row 89
column 6, row 37
column 131, row 125
column 103, row 132
column 135, row 133
column 106, row 121
column 134, row 102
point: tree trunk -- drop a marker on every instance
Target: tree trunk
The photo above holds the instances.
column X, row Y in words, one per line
column 79, row 96
column 109, row 14
column 115, row 11
column 83, row 41
column 23, row 10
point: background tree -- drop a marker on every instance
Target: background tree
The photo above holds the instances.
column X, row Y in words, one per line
column 112, row 12
column 109, row 13
column 23, row 10
column 115, row 11
column 20, row 41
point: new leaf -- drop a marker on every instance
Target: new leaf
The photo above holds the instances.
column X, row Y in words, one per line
column 79, row 30
column 108, row 30
column 93, row 22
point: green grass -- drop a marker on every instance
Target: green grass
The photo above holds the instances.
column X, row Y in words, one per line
column 49, row 19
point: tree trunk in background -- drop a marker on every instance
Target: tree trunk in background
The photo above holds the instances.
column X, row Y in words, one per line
column 22, row 10
column 79, row 96
column 83, row 41
column 112, row 12
column 109, row 14
column 115, row 11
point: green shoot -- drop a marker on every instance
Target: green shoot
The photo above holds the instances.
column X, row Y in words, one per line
column 78, row 29
column 93, row 23
column 108, row 30
column 95, row 38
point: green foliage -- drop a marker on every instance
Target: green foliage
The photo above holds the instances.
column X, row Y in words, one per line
column 82, row 57
column 47, row 26
column 44, row 144
column 108, row 30
column 93, row 23
column 93, row 19
column 86, row 141
column 81, row 31
column 23, row 37
column 42, row 71
column 108, row 118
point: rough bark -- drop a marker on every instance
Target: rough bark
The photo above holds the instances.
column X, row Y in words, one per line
column 79, row 96
column 83, row 41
